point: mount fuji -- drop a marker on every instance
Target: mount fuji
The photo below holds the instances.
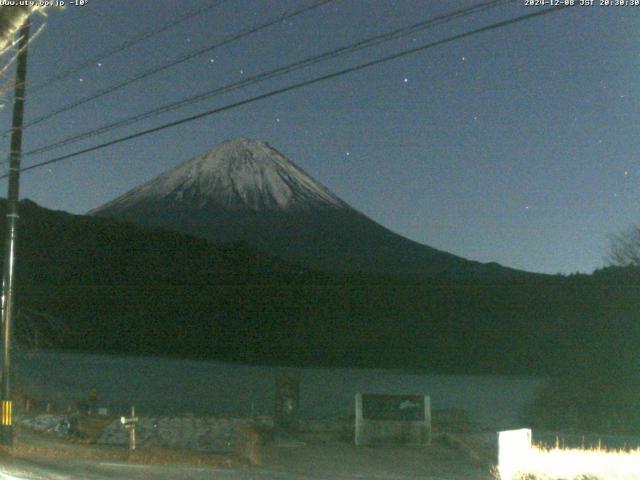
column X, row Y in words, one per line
column 246, row 191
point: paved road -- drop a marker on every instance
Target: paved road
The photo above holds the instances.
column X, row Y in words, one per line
column 306, row 463
column 57, row 469
column 65, row 469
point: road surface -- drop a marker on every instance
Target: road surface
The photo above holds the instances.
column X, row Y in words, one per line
column 335, row 462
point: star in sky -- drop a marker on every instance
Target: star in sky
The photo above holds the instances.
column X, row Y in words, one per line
column 513, row 71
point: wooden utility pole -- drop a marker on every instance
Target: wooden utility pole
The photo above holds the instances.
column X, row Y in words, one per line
column 8, row 286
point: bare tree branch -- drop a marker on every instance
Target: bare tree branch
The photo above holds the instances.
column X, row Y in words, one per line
column 624, row 248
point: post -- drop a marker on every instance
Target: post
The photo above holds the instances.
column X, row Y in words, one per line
column 130, row 424
column 8, row 287
column 132, row 432
column 358, row 421
column 427, row 420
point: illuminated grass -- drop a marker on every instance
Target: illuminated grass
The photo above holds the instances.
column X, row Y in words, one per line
column 537, row 463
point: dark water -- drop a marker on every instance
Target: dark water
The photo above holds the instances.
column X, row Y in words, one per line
column 162, row 386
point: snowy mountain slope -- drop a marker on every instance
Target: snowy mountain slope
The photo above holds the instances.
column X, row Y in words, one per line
column 246, row 191
column 238, row 175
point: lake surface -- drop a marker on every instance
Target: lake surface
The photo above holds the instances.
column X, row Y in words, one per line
column 163, row 386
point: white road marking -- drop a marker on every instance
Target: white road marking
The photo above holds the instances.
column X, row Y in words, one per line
column 130, row 465
column 6, row 476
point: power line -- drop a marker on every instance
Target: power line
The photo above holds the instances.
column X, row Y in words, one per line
column 365, row 43
column 180, row 60
column 123, row 46
column 299, row 85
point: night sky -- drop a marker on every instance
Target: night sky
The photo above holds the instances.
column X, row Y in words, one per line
column 518, row 146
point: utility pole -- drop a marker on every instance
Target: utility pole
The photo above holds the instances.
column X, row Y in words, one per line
column 8, row 287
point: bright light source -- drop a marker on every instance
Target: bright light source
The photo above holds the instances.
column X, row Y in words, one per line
column 514, row 447
column 518, row 459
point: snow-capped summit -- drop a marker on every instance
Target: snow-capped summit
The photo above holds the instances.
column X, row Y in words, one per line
column 241, row 174
column 246, row 191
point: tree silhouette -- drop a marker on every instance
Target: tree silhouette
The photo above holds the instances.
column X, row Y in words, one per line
column 624, row 248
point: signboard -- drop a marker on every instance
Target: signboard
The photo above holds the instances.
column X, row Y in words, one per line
column 393, row 407
column 398, row 419
column 287, row 401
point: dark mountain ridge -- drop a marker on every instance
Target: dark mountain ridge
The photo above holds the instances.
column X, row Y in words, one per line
column 117, row 287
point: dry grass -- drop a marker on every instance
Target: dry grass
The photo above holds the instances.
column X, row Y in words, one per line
column 249, row 445
column 539, row 463
column 31, row 444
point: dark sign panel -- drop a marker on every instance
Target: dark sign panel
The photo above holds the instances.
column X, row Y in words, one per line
column 393, row 407
column 287, row 401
